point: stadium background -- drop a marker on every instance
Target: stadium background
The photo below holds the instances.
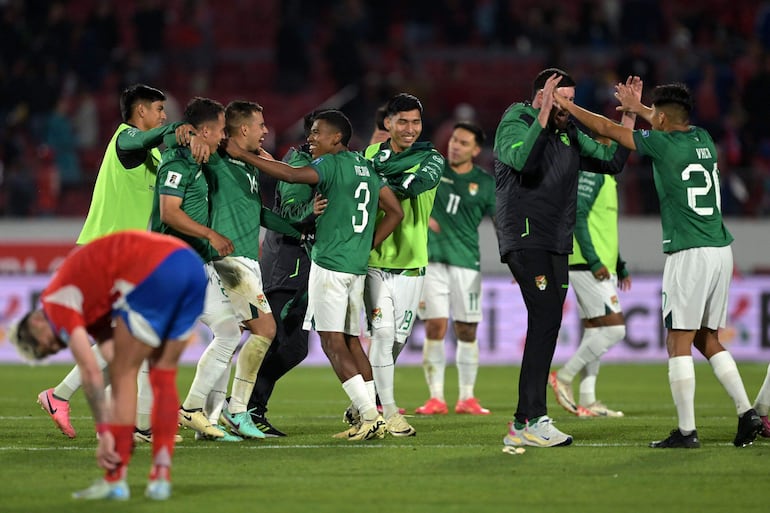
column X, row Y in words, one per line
column 64, row 63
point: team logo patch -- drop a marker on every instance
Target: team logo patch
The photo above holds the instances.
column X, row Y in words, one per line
column 421, row 306
column 565, row 139
column 173, row 179
column 473, row 188
column 262, row 302
column 541, row 282
column 645, row 133
column 376, row 315
column 614, row 301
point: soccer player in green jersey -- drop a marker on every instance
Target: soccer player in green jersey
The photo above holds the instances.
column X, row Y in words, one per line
column 181, row 208
column 236, row 212
column 345, row 234
column 397, row 266
column 699, row 262
column 453, row 280
column 121, row 200
column 596, row 270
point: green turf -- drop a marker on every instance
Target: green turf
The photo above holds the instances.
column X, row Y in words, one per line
column 454, row 464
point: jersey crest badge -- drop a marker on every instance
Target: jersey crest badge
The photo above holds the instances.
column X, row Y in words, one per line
column 473, row 188
column 565, row 139
column 541, row 282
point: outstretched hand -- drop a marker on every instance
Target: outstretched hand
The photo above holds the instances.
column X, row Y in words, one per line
column 629, row 95
column 548, row 98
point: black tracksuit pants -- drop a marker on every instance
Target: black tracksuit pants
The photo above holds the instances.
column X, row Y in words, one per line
column 543, row 278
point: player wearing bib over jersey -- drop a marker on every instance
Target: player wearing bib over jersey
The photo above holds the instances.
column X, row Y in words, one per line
column 345, row 233
column 699, row 262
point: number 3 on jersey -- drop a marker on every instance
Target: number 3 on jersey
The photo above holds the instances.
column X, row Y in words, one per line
column 363, row 196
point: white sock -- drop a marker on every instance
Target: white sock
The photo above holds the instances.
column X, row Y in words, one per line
column 762, row 402
column 588, row 383
column 434, row 365
column 727, row 373
column 467, row 361
column 355, row 387
column 246, row 368
column 213, row 362
column 372, row 391
column 143, row 397
column 72, row 381
column 681, row 378
column 216, row 398
column 595, row 342
column 383, row 369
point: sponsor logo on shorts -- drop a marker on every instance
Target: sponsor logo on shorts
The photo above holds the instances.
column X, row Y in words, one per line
column 541, row 282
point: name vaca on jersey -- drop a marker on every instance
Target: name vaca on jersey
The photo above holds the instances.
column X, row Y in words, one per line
column 703, row 153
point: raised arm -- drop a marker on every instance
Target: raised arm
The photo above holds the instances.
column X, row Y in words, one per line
column 598, row 124
column 274, row 168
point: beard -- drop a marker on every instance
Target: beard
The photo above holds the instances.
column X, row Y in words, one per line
column 559, row 118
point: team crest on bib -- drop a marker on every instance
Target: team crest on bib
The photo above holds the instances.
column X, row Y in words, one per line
column 541, row 282
column 473, row 188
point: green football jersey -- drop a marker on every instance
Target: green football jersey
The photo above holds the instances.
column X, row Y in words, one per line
column 345, row 230
column 236, row 203
column 179, row 175
column 687, row 181
column 296, row 198
column 462, row 200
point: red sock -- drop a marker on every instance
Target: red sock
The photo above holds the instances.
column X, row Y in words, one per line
column 164, row 420
column 124, row 446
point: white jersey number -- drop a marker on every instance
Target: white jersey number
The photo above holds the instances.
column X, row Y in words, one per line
column 712, row 180
column 452, row 203
column 363, row 196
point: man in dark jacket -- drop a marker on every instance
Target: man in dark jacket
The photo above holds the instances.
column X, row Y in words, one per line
column 539, row 153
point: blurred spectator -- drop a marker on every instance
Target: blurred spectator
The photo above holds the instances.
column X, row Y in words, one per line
column 60, row 137
column 47, row 183
column 19, row 189
column 85, row 120
column 149, row 22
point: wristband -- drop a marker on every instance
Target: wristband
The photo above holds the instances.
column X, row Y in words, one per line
column 101, row 427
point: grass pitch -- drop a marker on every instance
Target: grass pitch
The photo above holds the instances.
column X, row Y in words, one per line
column 454, row 464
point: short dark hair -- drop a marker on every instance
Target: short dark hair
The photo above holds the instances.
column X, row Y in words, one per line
column 132, row 95
column 201, row 110
column 473, row 128
column 673, row 94
column 339, row 121
column 379, row 117
column 238, row 111
column 402, row 102
column 543, row 76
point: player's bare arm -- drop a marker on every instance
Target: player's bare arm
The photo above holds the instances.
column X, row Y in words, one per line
column 389, row 204
column 598, row 124
column 171, row 214
column 274, row 168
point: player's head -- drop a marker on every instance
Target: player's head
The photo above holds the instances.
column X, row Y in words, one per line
column 330, row 133
column 566, row 87
column 380, row 133
column 671, row 105
column 208, row 118
column 33, row 337
column 403, row 120
column 143, row 105
column 465, row 143
column 246, row 123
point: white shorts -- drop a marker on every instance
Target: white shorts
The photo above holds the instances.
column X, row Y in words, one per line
column 217, row 306
column 449, row 288
column 391, row 301
column 335, row 301
column 242, row 279
column 595, row 298
column 696, row 282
